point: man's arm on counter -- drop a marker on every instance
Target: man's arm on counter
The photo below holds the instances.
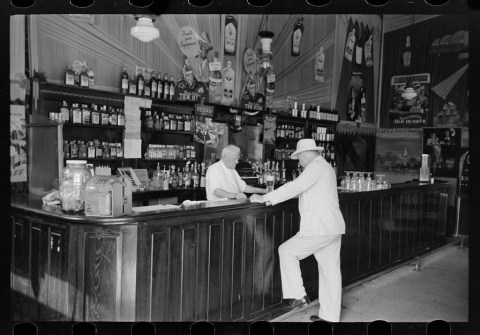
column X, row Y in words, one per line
column 221, row 193
column 251, row 189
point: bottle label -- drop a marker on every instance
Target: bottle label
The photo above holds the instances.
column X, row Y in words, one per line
column 147, row 91
column 95, row 118
column 215, row 66
column 70, row 79
column 83, row 80
column 154, row 88
column 172, row 91
column 368, row 53
column 125, row 84
column 121, row 120
column 297, row 37
column 77, row 116
column 133, row 89
column 65, row 114
column 349, row 46
column 230, row 37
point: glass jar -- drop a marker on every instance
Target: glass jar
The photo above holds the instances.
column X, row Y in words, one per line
column 72, row 186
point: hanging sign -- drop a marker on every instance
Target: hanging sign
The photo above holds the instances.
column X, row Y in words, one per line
column 250, row 61
column 319, row 66
column 269, row 127
column 350, row 45
column 412, row 112
column 188, row 41
column 204, row 110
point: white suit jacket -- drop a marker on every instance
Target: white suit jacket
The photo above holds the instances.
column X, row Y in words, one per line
column 318, row 199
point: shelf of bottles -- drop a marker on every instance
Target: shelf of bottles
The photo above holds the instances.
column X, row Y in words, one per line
column 188, row 176
column 92, row 150
column 153, row 121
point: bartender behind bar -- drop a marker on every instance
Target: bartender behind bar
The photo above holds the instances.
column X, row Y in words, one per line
column 224, row 182
column 320, row 233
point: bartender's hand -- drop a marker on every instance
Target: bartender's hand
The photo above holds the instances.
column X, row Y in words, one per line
column 256, row 198
column 240, row 196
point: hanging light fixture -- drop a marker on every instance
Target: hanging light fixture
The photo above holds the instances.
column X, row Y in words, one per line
column 145, row 30
column 266, row 38
column 409, row 91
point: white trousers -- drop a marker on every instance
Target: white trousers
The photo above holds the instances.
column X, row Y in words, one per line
column 326, row 249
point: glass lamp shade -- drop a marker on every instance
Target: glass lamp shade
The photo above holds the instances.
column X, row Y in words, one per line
column 266, row 65
column 144, row 30
column 409, row 92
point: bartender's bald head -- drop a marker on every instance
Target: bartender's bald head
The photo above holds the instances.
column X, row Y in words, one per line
column 230, row 156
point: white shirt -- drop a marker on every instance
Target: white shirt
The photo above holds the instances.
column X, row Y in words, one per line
column 318, row 199
column 219, row 176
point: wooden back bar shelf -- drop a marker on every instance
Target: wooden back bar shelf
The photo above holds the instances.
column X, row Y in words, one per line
column 215, row 261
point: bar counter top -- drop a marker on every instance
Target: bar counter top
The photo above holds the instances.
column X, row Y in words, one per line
column 33, row 204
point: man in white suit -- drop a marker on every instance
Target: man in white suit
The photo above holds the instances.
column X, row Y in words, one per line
column 320, row 233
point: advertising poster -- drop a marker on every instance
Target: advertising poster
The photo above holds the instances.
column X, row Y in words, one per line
column 269, row 127
column 444, row 147
column 206, row 131
column 18, row 144
column 412, row 112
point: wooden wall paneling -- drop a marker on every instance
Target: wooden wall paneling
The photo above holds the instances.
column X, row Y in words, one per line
column 377, row 232
column 159, row 281
column 237, row 271
column 276, row 226
column 257, row 257
column 20, row 267
column 102, row 275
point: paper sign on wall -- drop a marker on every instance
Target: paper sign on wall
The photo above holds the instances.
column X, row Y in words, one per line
column 188, row 41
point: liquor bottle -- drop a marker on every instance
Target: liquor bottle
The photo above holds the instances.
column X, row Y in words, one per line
column 113, row 150
column 358, row 46
column 90, row 150
column 270, row 90
column 113, row 117
column 295, row 110
column 159, row 86
column 407, row 54
column 65, row 112
column 172, row 88
column 170, row 176
column 228, row 84
column 140, row 83
column 132, row 86
column 147, row 85
column 104, row 116
column 284, row 173
column 166, row 177
column 153, row 85
column 188, row 124
column 350, row 44
column 95, row 115
column 166, row 122
column 157, row 177
column 82, row 149
column 196, row 178
column 203, row 178
column 363, row 105
column 173, row 123
column 180, row 178
column 320, row 66
column 174, row 178
column 215, row 80
column 121, row 117
column 230, row 35
column 166, row 87
column 73, row 149
column 85, row 114
column 70, row 77
column 157, row 123
column 91, row 78
column 83, row 78
column 297, row 37
column 180, row 123
column 124, row 81
column 119, row 150
column 150, row 121
column 186, row 176
column 368, row 52
column 303, row 112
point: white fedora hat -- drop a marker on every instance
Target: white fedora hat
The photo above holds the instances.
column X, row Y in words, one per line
column 306, row 144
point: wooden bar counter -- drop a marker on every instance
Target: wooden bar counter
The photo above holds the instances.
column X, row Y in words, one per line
column 215, row 261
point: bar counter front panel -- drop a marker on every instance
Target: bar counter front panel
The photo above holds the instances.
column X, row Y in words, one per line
column 209, row 261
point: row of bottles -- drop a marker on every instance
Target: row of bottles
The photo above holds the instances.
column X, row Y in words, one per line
column 221, row 82
column 171, row 122
column 147, row 84
column 324, row 134
column 290, row 132
column 282, row 154
column 92, row 149
column 314, row 113
column 83, row 78
column 172, row 177
column 165, row 151
column 88, row 114
column 329, row 152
